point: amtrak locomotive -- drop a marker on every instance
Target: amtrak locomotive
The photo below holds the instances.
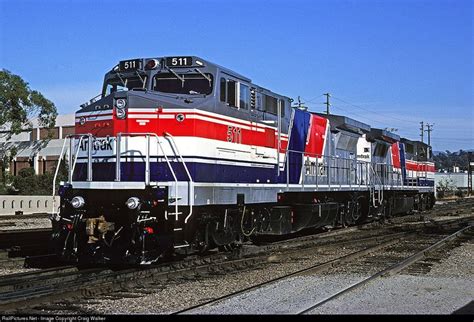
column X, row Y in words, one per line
column 180, row 155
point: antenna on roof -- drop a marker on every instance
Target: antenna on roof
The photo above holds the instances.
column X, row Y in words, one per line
column 300, row 105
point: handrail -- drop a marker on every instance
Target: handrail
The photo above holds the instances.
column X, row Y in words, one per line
column 190, row 193
column 167, row 161
column 70, row 170
column 54, row 178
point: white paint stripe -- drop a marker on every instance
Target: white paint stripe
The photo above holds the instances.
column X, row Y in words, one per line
column 216, row 115
column 137, row 158
column 143, row 110
column 142, row 116
column 166, row 116
column 92, row 113
column 95, row 118
column 204, row 118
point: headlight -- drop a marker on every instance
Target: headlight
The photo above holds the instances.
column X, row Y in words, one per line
column 121, row 103
column 77, row 202
column 132, row 203
column 121, row 113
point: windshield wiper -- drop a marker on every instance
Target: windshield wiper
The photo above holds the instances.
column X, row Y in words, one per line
column 139, row 76
column 177, row 76
column 204, row 75
column 123, row 83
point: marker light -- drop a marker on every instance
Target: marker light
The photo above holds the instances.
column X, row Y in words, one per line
column 121, row 113
column 148, row 230
column 121, row 103
column 152, row 64
column 132, row 203
column 77, row 202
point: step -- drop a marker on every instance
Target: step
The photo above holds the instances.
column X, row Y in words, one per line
column 174, row 199
column 181, row 245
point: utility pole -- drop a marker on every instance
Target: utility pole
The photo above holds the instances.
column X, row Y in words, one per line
column 429, row 129
column 327, row 102
column 422, row 130
column 470, row 168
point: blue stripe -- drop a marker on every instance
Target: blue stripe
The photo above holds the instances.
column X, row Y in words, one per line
column 401, row 147
column 200, row 172
column 299, row 133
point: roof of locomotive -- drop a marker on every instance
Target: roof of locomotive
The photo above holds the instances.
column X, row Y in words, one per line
column 345, row 123
column 415, row 143
column 196, row 62
column 384, row 135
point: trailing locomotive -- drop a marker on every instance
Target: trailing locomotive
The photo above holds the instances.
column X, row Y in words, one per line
column 180, row 155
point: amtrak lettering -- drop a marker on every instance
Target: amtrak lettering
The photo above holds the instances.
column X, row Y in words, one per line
column 99, row 144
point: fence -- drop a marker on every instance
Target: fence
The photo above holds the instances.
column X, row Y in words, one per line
column 27, row 204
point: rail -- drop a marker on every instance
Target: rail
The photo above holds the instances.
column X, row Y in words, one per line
column 318, row 169
column 308, row 170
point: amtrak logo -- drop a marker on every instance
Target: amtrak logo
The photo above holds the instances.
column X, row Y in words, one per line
column 180, row 117
column 98, row 145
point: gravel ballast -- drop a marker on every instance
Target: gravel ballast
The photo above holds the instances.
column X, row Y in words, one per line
column 446, row 288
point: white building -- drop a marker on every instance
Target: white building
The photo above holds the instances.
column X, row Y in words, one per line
column 38, row 148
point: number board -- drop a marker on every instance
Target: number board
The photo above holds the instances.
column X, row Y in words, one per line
column 179, row 61
column 130, row 64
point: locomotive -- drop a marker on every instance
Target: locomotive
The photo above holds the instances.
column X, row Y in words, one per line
column 179, row 155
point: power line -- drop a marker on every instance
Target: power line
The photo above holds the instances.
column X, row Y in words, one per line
column 368, row 110
column 363, row 117
column 312, row 99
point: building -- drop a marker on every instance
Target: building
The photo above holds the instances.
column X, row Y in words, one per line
column 38, row 148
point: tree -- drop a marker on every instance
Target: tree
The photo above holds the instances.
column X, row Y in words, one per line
column 19, row 104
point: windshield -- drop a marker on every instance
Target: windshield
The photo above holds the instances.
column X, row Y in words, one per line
column 120, row 83
column 193, row 84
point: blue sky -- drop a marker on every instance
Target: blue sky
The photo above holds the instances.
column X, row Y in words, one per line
column 387, row 63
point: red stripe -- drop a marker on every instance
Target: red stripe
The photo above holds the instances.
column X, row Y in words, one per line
column 396, row 155
column 316, row 136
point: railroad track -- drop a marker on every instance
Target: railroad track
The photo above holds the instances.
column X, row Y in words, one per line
column 26, row 240
column 69, row 283
column 335, row 263
column 393, row 269
column 28, row 290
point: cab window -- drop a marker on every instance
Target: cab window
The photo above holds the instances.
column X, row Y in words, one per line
column 192, row 84
column 244, row 99
column 228, row 88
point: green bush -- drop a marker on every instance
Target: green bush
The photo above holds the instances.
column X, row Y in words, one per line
column 28, row 183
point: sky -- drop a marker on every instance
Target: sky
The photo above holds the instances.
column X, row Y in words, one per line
column 387, row 63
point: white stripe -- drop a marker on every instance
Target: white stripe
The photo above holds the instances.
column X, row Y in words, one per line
column 95, row 118
column 143, row 110
column 92, row 113
column 166, row 116
column 231, row 119
column 142, row 116
column 204, row 118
